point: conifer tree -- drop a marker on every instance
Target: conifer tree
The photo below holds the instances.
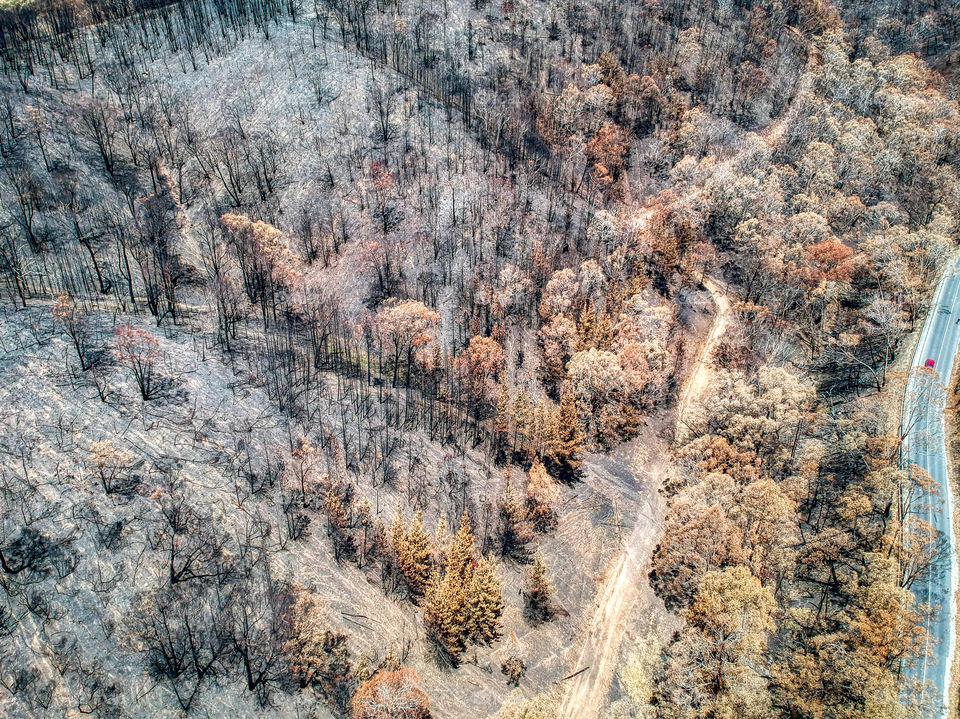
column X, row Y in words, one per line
column 460, row 555
column 568, row 442
column 586, row 326
column 415, row 560
column 484, row 603
column 541, row 427
column 514, row 664
column 445, row 604
column 445, row 613
column 515, row 528
column 463, row 604
column 441, row 543
column 539, row 591
column 542, row 492
column 513, row 668
column 603, row 333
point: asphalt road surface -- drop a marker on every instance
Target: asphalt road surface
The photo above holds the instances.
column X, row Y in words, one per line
column 923, row 416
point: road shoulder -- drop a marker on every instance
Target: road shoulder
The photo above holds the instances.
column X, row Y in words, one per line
column 952, row 428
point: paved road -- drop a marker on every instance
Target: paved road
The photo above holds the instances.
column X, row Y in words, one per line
column 923, row 416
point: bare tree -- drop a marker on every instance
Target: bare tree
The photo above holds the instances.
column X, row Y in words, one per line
column 97, row 121
column 182, row 635
column 257, row 610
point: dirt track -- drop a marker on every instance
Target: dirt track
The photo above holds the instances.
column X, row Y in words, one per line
column 618, row 594
column 700, row 372
column 624, row 586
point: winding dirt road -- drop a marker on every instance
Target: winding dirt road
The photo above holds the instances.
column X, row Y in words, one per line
column 700, row 372
column 624, row 586
column 618, row 593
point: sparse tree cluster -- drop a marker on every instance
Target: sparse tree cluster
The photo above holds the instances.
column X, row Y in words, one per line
column 463, row 602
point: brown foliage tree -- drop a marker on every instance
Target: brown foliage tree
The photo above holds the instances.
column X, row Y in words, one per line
column 567, row 443
column 392, row 695
column 405, row 325
column 479, row 367
column 317, row 655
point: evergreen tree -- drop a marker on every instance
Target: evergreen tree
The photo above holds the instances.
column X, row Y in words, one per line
column 586, row 326
column 514, row 664
column 460, row 555
column 415, row 561
column 565, row 447
column 484, row 603
column 445, row 613
column 441, row 543
column 463, row 604
column 539, row 592
column 603, row 333
column 516, row 531
column 446, row 600
column 542, row 492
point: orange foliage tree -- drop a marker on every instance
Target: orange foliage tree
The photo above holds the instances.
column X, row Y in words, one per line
column 405, row 325
column 392, row 695
column 479, row 366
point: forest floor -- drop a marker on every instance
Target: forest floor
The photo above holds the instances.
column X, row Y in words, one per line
column 213, row 415
column 625, row 590
column 195, row 424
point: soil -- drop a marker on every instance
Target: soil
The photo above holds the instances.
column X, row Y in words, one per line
column 625, row 593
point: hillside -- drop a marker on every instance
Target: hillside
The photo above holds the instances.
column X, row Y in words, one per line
column 521, row 359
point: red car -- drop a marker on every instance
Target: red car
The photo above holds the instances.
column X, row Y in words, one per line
column 930, row 363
